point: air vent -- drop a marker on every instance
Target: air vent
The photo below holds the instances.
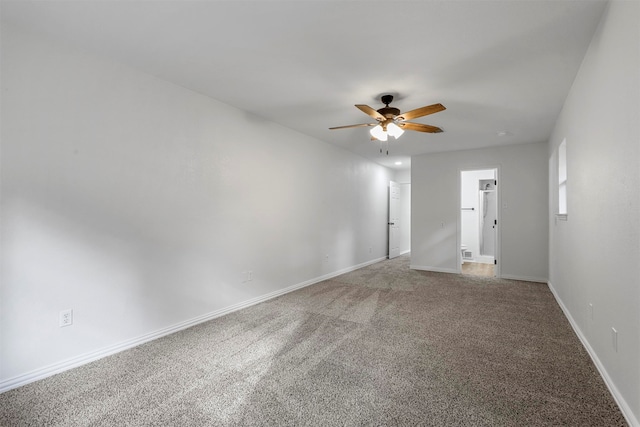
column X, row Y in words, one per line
column 467, row 255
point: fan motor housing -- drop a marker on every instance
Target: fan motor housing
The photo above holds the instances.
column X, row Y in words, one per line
column 389, row 112
column 386, row 111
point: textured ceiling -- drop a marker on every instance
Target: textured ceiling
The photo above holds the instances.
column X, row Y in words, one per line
column 496, row 65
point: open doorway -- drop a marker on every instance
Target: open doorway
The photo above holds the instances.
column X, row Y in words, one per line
column 479, row 222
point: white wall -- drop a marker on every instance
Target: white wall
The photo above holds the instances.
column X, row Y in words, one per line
column 595, row 254
column 403, row 176
column 470, row 219
column 139, row 205
column 522, row 217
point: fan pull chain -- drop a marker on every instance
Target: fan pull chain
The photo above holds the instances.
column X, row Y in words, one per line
column 384, row 145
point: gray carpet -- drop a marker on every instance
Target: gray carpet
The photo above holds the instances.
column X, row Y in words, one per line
column 382, row 345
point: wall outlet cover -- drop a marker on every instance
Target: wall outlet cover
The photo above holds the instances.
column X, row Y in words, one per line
column 66, row 318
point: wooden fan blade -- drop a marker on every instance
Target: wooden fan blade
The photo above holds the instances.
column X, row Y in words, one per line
column 420, row 112
column 354, row 126
column 419, row 127
column 370, row 111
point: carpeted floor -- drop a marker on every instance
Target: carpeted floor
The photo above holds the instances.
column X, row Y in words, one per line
column 383, row 345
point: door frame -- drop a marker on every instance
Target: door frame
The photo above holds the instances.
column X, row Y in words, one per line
column 393, row 229
column 497, row 270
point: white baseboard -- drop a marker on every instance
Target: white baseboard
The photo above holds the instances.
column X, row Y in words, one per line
column 405, row 252
column 484, row 259
column 453, row 271
column 85, row 358
column 524, row 278
column 622, row 403
column 434, row 269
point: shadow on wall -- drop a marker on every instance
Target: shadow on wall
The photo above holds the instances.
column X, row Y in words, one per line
column 436, row 244
column 120, row 283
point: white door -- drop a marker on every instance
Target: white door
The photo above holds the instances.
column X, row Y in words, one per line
column 488, row 222
column 394, row 219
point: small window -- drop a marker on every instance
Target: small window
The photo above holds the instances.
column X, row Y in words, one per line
column 562, row 179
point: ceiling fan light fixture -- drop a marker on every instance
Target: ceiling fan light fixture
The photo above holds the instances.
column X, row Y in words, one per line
column 394, row 130
column 378, row 133
column 390, row 121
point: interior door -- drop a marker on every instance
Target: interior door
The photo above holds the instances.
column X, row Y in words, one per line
column 394, row 219
column 489, row 221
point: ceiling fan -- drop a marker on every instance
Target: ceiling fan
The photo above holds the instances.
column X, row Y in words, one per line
column 391, row 122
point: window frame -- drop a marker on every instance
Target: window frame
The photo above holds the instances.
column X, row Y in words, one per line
column 562, row 208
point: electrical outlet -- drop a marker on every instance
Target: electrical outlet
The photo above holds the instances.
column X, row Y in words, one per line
column 326, row 258
column 370, row 249
column 250, row 275
column 591, row 311
column 66, row 318
column 614, row 339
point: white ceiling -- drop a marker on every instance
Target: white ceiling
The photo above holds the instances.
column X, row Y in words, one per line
column 496, row 65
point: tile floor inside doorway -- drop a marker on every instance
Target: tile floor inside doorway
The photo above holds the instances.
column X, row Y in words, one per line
column 477, row 269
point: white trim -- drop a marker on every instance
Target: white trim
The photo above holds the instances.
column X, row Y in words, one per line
column 434, row 269
column 85, row 358
column 622, row 404
column 525, row 278
column 484, row 259
column 405, row 252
